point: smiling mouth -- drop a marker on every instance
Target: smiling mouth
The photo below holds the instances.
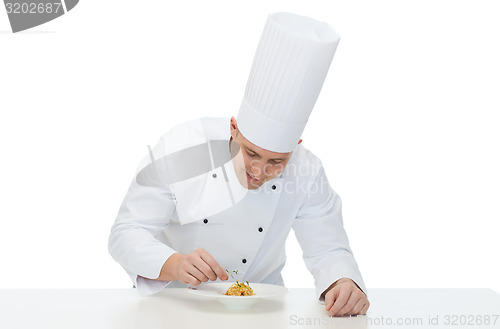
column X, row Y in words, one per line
column 250, row 178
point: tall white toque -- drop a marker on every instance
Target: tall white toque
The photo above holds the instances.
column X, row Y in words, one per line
column 288, row 71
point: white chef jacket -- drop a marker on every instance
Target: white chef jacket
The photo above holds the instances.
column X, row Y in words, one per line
column 248, row 236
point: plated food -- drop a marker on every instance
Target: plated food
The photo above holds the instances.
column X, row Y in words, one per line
column 240, row 289
column 219, row 291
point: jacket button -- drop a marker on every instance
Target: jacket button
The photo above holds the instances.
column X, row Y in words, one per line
column 205, row 221
column 273, row 187
column 261, row 229
column 244, row 261
column 214, row 175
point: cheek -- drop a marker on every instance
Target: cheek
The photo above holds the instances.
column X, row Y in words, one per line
column 251, row 164
column 275, row 170
column 240, row 162
column 272, row 170
column 246, row 162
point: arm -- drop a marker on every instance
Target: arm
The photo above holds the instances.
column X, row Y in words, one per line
column 151, row 264
column 320, row 232
column 144, row 212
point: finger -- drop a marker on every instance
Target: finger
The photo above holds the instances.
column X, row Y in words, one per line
column 359, row 305
column 204, row 268
column 189, row 279
column 196, row 273
column 202, row 264
column 195, row 266
column 365, row 308
column 330, row 298
column 353, row 300
column 342, row 299
column 207, row 258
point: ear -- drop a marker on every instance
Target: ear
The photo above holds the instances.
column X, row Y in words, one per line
column 233, row 127
column 300, row 141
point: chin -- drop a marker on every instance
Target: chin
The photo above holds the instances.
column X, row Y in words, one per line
column 253, row 186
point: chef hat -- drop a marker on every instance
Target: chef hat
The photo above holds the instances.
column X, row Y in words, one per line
column 288, row 71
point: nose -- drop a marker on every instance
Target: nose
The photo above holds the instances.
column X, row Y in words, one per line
column 256, row 169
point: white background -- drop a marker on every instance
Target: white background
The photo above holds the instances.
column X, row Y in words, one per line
column 407, row 126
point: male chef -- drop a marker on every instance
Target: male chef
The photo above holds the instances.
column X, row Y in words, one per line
column 219, row 195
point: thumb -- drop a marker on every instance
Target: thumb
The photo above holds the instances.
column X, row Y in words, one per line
column 330, row 297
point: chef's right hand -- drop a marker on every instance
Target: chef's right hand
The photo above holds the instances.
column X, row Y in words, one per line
column 197, row 267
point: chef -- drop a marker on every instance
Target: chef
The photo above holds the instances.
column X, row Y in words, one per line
column 218, row 195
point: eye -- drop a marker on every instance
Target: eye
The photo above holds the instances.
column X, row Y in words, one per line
column 251, row 154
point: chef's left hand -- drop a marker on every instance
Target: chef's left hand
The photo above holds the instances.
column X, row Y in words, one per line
column 345, row 298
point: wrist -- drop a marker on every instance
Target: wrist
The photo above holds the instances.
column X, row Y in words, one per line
column 170, row 270
column 341, row 280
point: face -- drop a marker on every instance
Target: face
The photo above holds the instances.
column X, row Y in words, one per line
column 254, row 165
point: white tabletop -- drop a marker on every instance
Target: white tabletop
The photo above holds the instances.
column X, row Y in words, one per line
column 178, row 308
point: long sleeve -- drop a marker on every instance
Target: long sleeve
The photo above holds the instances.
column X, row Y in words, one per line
column 319, row 230
column 144, row 213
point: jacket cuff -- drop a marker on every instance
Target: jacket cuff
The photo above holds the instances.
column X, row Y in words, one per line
column 144, row 281
column 150, row 266
column 148, row 287
column 326, row 279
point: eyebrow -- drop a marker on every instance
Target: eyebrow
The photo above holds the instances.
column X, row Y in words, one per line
column 275, row 159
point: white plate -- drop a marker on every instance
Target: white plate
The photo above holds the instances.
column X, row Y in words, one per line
column 217, row 290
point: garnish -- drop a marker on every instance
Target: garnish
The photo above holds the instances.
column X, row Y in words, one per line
column 240, row 289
